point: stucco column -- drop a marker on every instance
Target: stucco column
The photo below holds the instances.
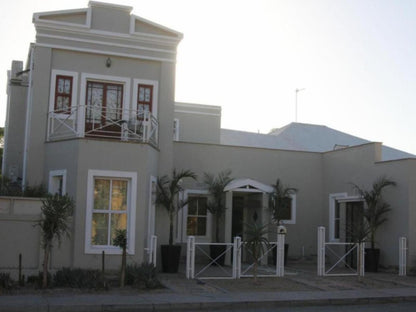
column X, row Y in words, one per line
column 265, row 216
column 228, row 223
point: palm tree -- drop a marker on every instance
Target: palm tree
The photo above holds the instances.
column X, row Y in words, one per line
column 167, row 195
column 56, row 210
column 120, row 240
column 257, row 243
column 375, row 213
column 281, row 201
column 216, row 204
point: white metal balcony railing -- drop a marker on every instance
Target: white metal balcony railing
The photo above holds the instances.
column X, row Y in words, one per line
column 111, row 123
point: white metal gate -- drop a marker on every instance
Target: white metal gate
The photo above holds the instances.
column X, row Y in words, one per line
column 236, row 267
column 339, row 252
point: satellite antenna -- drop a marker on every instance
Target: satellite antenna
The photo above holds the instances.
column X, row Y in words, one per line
column 296, row 102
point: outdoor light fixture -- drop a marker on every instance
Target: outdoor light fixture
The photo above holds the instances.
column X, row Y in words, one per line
column 108, row 62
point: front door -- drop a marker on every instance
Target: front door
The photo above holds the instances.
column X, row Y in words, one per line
column 104, row 109
column 353, row 228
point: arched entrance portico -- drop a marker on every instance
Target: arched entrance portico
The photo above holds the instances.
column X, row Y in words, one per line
column 246, row 201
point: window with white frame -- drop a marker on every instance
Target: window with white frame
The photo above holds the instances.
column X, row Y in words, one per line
column 196, row 219
column 63, row 91
column 145, row 93
column 335, row 215
column 57, row 182
column 110, row 207
column 288, row 215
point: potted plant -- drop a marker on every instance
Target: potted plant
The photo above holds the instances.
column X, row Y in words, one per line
column 374, row 216
column 216, row 206
column 167, row 195
column 257, row 243
column 280, row 204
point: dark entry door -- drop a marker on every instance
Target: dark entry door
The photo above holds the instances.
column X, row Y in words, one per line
column 353, row 228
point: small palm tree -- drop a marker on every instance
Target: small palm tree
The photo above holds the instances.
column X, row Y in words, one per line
column 54, row 224
column 257, row 243
column 377, row 208
column 167, row 195
column 120, row 240
column 216, row 204
column 280, row 201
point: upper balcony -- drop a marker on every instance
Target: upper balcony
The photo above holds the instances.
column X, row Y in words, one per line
column 112, row 123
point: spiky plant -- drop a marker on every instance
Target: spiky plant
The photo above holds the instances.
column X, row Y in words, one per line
column 54, row 224
column 167, row 195
column 216, row 203
column 257, row 243
column 376, row 208
column 280, row 200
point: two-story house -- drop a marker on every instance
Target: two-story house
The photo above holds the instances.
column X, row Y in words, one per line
column 92, row 114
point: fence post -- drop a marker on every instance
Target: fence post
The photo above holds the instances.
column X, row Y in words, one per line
column 153, row 251
column 190, row 258
column 402, row 256
column 321, row 251
column 361, row 250
column 237, row 257
column 280, row 256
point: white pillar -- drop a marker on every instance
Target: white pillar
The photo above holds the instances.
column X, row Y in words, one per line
column 190, row 257
column 280, row 257
column 402, row 256
column 228, row 223
column 237, row 257
column 321, row 251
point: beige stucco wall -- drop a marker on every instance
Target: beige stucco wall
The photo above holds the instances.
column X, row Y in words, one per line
column 296, row 169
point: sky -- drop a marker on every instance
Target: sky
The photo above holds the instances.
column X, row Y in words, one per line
column 355, row 60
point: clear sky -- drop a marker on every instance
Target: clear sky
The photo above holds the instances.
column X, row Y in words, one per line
column 356, row 60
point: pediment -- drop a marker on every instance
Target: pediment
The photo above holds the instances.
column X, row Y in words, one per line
column 78, row 17
column 248, row 185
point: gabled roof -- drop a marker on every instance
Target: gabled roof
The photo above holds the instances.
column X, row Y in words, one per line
column 304, row 137
column 248, row 185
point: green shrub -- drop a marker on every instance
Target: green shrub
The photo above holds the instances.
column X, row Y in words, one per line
column 145, row 274
column 36, row 280
column 6, row 283
column 78, row 278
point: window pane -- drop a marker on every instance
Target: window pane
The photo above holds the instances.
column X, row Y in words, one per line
column 118, row 222
column 101, row 194
column 191, row 226
column 61, row 83
column 286, row 210
column 99, row 231
column 119, row 195
column 192, row 206
column 94, row 101
column 67, row 86
column 113, row 103
column 202, row 206
column 336, row 234
column 202, row 226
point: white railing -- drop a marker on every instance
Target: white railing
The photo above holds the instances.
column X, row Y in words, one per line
column 213, row 269
column 112, row 123
column 340, row 251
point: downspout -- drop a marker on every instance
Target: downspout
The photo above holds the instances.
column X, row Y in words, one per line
column 6, row 125
column 28, row 119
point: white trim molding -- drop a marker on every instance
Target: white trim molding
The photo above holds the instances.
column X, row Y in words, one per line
column 131, row 177
column 155, row 95
column 85, row 77
column 54, row 183
column 333, row 199
column 183, row 227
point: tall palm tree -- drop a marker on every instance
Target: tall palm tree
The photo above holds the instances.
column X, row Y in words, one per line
column 167, row 195
column 377, row 208
column 280, row 200
column 216, row 204
column 54, row 224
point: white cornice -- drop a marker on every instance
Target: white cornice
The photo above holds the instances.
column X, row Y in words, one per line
column 111, row 44
column 102, row 52
column 80, row 29
column 135, row 18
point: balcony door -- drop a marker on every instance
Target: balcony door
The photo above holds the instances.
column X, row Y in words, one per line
column 104, row 109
